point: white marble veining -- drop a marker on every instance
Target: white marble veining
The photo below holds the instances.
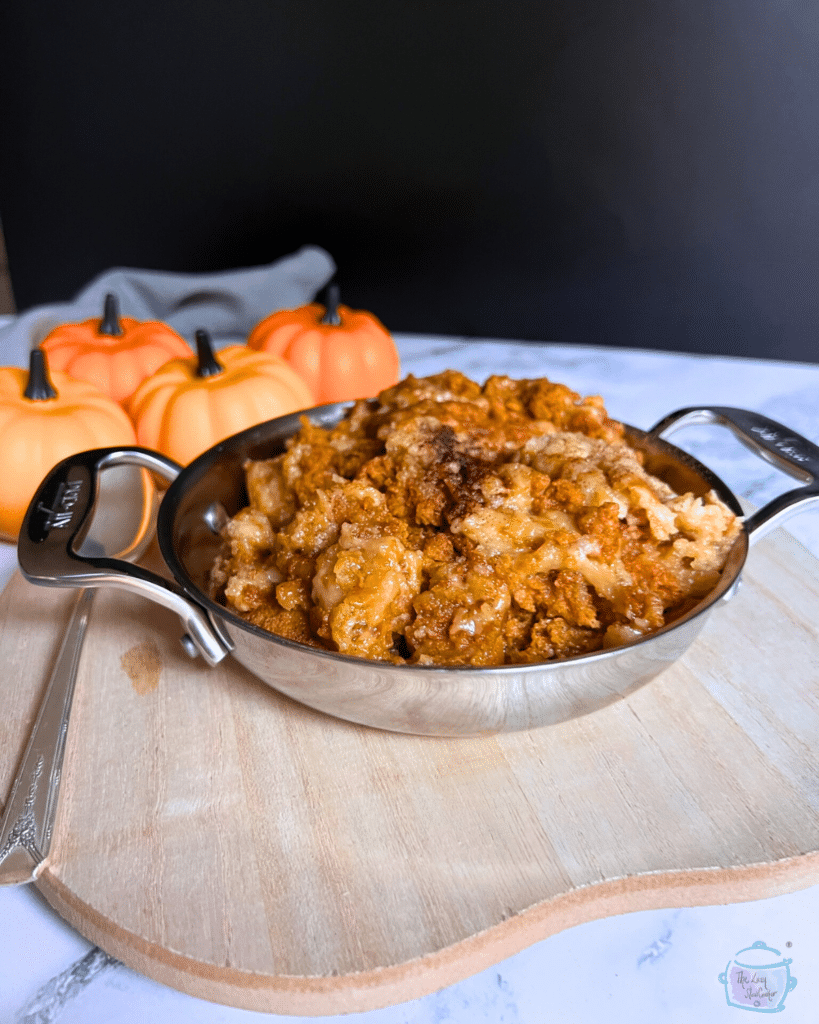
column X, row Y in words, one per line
column 653, row 967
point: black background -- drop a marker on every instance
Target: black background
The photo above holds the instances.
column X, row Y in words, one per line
column 627, row 172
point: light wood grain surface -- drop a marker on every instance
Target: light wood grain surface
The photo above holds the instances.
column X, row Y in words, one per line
column 237, row 846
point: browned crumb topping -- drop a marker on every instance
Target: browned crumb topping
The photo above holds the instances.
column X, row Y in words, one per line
column 452, row 524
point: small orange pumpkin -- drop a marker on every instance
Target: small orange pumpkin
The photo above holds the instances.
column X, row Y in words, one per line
column 189, row 405
column 342, row 353
column 115, row 353
column 43, row 420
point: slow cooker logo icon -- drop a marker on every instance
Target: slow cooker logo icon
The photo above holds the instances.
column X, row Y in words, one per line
column 758, row 978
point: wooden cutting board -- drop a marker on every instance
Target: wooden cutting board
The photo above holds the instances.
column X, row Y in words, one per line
column 232, row 844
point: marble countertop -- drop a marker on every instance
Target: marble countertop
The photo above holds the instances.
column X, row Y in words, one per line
column 640, row 968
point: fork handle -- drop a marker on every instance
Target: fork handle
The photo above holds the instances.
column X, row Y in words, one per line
column 28, row 821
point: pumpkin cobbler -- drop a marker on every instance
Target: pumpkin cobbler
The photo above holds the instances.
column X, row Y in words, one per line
column 449, row 523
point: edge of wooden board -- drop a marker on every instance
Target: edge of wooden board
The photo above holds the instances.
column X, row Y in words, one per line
column 387, row 986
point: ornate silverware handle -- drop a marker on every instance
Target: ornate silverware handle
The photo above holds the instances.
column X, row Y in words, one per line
column 57, row 521
column 28, row 821
column 777, row 444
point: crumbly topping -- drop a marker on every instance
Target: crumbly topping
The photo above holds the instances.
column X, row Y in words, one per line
column 452, row 524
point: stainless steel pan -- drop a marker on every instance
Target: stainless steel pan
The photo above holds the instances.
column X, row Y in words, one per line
column 416, row 699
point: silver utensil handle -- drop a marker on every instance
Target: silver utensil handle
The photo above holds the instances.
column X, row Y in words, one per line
column 777, row 444
column 28, row 821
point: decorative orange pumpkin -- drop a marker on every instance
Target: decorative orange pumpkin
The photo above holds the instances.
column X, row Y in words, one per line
column 342, row 353
column 115, row 353
column 42, row 421
column 189, row 405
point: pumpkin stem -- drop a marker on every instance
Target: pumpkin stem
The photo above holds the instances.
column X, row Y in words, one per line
column 110, row 317
column 333, row 298
column 208, row 365
column 39, row 387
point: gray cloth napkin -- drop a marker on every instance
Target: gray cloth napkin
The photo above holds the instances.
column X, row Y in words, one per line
column 228, row 304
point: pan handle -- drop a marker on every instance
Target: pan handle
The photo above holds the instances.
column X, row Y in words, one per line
column 57, row 521
column 771, row 441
